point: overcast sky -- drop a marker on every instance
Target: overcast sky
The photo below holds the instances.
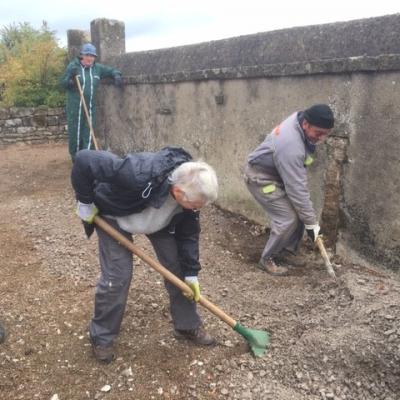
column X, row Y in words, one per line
column 152, row 24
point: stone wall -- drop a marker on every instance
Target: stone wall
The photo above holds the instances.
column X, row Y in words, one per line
column 219, row 99
column 357, row 45
column 32, row 125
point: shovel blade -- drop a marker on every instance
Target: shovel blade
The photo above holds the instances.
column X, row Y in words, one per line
column 258, row 340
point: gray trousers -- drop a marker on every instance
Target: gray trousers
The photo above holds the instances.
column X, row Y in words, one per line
column 113, row 285
column 286, row 228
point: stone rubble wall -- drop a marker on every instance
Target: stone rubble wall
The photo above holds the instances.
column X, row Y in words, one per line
column 32, row 125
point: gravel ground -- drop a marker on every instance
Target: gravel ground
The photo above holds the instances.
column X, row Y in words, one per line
column 328, row 340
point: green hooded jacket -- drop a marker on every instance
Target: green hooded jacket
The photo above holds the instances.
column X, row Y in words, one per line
column 89, row 77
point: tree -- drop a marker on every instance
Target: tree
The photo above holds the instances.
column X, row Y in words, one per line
column 31, row 63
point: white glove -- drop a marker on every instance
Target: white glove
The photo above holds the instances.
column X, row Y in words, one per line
column 86, row 212
column 313, row 231
column 193, row 282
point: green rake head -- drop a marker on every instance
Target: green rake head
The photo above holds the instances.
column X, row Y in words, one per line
column 258, row 340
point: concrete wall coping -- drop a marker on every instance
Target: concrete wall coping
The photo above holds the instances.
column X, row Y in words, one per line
column 386, row 62
column 335, row 47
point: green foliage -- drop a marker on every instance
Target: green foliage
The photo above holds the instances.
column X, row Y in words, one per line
column 31, row 63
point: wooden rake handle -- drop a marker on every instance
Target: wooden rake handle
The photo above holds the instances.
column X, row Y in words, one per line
column 78, row 84
column 325, row 256
column 162, row 270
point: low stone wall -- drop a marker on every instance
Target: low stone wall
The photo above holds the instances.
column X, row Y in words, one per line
column 32, row 125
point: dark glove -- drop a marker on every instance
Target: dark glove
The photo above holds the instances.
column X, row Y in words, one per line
column 75, row 71
column 118, row 81
column 313, row 231
column 89, row 228
column 71, row 83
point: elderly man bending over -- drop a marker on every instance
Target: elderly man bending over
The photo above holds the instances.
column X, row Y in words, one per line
column 156, row 194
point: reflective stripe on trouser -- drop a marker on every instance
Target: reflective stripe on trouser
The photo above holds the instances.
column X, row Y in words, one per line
column 183, row 311
column 286, row 228
column 73, row 127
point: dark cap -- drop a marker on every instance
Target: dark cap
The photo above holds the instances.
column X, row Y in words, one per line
column 320, row 115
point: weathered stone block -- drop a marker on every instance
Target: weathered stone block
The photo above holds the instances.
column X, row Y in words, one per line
column 55, row 111
column 41, row 110
column 76, row 38
column 53, row 128
column 39, row 120
column 52, row 120
column 25, row 129
column 21, row 112
column 13, row 122
column 109, row 38
column 4, row 113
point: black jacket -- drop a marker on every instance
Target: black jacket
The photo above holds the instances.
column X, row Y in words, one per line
column 124, row 186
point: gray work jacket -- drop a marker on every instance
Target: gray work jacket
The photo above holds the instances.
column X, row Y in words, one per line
column 282, row 159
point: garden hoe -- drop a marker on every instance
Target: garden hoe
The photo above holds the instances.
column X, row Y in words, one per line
column 258, row 340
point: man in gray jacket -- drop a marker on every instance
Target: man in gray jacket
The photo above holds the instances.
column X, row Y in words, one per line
column 276, row 175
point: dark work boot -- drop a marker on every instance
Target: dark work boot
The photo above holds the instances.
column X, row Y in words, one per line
column 290, row 259
column 268, row 265
column 198, row 336
column 102, row 353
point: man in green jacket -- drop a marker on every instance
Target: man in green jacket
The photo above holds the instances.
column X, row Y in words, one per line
column 90, row 73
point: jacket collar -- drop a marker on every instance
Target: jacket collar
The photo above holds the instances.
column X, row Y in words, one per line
column 309, row 146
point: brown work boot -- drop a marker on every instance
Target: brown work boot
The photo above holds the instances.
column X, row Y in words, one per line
column 198, row 336
column 102, row 353
column 290, row 259
column 268, row 265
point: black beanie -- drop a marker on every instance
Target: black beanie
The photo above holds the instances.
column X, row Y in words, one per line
column 319, row 115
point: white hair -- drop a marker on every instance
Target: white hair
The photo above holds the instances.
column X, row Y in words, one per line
column 197, row 180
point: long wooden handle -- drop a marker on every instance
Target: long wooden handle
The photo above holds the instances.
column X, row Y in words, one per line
column 325, row 256
column 78, row 83
column 162, row 270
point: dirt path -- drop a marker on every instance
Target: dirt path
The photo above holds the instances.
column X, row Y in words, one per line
column 328, row 341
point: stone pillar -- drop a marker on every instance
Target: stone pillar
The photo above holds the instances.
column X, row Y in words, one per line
column 108, row 35
column 76, row 38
